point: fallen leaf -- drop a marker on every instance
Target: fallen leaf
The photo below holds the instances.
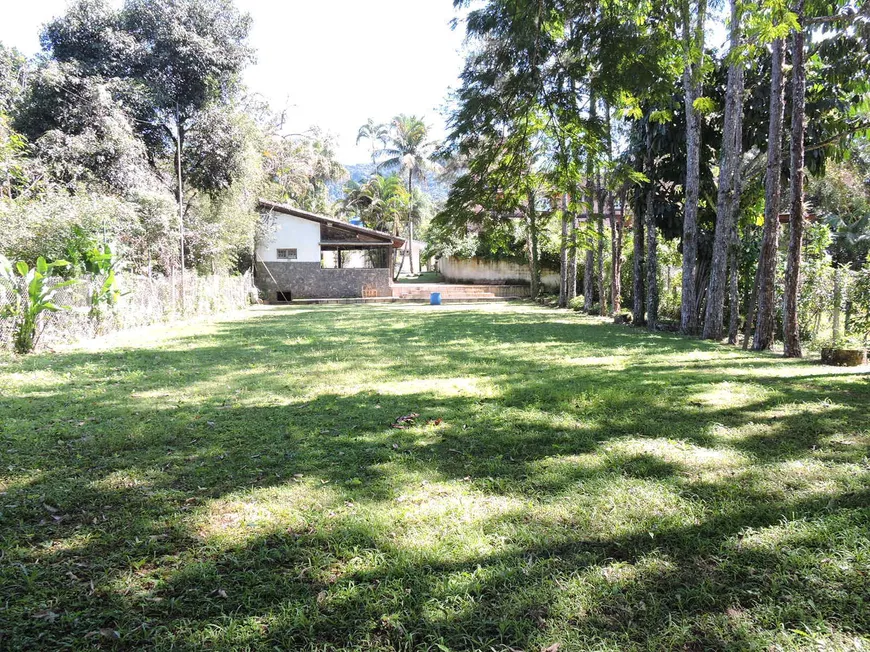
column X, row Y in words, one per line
column 555, row 647
column 105, row 632
column 46, row 614
column 409, row 419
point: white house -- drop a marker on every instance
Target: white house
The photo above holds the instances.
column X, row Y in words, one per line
column 308, row 256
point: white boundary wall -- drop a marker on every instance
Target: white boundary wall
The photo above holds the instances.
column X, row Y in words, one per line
column 495, row 272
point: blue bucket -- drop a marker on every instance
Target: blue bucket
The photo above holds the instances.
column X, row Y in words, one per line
column 435, row 299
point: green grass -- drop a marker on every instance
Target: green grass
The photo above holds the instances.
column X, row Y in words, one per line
column 237, row 484
column 422, row 277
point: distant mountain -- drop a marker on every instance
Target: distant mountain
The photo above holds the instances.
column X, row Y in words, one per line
column 359, row 172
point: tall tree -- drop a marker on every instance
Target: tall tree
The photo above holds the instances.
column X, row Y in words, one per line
column 728, row 199
column 652, row 261
column 179, row 64
column 766, row 311
column 409, row 152
column 591, row 214
column 791, row 329
column 693, row 25
column 298, row 168
column 378, row 136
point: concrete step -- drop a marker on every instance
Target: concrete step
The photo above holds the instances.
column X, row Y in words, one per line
column 450, row 291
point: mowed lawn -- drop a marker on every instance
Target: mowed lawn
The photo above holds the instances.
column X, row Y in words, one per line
column 237, row 484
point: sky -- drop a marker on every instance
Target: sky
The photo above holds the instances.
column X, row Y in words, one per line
column 329, row 63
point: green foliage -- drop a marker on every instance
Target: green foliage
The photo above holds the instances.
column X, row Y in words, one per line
column 33, row 295
column 704, row 105
column 16, row 171
column 298, row 170
column 842, row 198
column 381, row 202
column 118, row 92
column 13, row 73
column 80, row 128
column 577, row 303
column 59, row 226
column 816, row 296
column 860, row 297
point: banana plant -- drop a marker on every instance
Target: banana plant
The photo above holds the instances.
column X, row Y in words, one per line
column 33, row 295
column 101, row 261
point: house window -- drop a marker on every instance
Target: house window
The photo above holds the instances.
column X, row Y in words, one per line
column 286, row 254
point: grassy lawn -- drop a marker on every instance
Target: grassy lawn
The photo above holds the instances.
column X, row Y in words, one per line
column 237, row 484
column 422, row 277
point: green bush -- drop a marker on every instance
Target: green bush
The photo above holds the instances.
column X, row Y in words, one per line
column 576, row 303
column 33, row 296
column 860, row 322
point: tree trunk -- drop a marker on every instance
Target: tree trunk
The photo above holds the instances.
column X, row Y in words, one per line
column 588, row 271
column 571, row 278
column 588, row 281
column 764, row 321
column 410, row 222
column 735, row 236
column 838, row 302
column 599, row 218
column 728, row 169
column 693, row 43
column 652, row 262
column 791, row 329
column 534, row 267
column 179, row 152
column 751, row 306
column 733, row 292
column 615, row 231
column 637, row 298
column 563, row 257
column 615, row 256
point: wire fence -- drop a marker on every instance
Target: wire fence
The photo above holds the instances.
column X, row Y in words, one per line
column 144, row 301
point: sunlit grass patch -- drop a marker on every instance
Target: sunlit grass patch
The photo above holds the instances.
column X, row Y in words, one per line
column 289, row 508
column 248, row 483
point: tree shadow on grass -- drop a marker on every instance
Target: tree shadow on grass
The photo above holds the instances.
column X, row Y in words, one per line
column 169, row 476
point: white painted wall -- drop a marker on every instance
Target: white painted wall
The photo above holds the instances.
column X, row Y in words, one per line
column 291, row 232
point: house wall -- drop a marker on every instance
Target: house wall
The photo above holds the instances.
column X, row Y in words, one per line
column 306, row 280
column 496, row 272
column 291, row 232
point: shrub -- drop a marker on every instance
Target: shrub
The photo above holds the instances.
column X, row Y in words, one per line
column 32, row 296
column 576, row 303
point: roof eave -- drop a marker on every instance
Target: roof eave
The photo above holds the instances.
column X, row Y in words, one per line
column 396, row 241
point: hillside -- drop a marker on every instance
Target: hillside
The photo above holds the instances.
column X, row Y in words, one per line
column 359, row 172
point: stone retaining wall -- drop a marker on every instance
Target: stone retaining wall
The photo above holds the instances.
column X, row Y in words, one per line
column 309, row 281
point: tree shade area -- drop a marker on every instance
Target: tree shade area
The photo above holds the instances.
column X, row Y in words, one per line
column 496, row 477
column 571, row 115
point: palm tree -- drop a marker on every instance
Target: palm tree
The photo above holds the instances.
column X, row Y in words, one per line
column 375, row 133
column 409, row 153
column 379, row 202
